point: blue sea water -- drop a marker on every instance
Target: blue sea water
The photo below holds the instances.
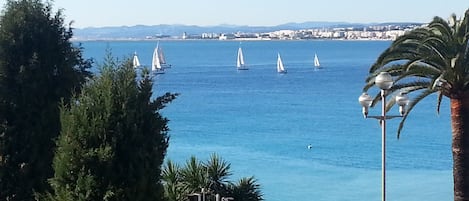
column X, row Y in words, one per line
column 262, row 122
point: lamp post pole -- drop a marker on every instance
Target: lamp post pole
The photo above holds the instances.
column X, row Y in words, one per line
column 383, row 144
column 384, row 82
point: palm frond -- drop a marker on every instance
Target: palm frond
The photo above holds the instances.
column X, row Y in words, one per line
column 218, row 171
column 441, row 26
column 410, row 107
column 193, row 175
column 392, row 69
column 405, row 88
column 439, row 98
column 171, row 172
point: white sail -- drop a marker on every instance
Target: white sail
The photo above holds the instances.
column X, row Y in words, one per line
column 280, row 67
column 155, row 63
column 135, row 61
column 240, row 60
column 161, row 56
column 316, row 61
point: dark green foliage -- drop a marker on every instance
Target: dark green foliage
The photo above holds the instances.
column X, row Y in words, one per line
column 113, row 139
column 173, row 188
column 39, row 67
column 194, row 175
column 218, row 172
column 211, row 176
column 246, row 189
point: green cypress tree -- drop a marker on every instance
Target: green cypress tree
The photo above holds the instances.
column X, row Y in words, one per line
column 39, row 67
column 113, row 139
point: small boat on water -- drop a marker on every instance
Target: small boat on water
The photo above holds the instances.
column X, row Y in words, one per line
column 156, row 62
column 135, row 61
column 280, row 68
column 240, row 60
column 316, row 61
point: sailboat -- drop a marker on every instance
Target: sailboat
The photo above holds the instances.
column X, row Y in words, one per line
column 240, row 60
column 280, row 68
column 155, row 62
column 316, row 61
column 162, row 57
column 135, row 61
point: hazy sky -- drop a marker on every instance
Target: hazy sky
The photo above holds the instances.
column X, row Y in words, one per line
column 86, row 13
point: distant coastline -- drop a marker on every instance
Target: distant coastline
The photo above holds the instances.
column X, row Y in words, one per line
column 241, row 40
column 342, row 31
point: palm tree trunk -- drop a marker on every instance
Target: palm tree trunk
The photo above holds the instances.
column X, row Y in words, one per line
column 460, row 147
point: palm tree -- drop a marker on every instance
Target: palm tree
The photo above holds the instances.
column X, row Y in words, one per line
column 172, row 182
column 194, row 175
column 247, row 189
column 211, row 176
column 435, row 59
column 218, row 171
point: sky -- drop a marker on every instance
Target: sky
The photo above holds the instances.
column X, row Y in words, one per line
column 99, row 13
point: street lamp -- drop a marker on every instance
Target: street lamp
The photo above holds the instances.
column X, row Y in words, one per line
column 384, row 82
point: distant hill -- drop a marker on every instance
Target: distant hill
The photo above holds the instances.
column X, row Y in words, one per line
column 307, row 25
column 166, row 30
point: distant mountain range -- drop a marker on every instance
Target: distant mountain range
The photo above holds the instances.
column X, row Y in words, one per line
column 165, row 30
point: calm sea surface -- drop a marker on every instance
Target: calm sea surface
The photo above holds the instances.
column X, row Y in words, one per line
column 262, row 122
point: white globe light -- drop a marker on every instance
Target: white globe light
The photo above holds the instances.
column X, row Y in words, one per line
column 365, row 100
column 384, row 80
column 402, row 99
